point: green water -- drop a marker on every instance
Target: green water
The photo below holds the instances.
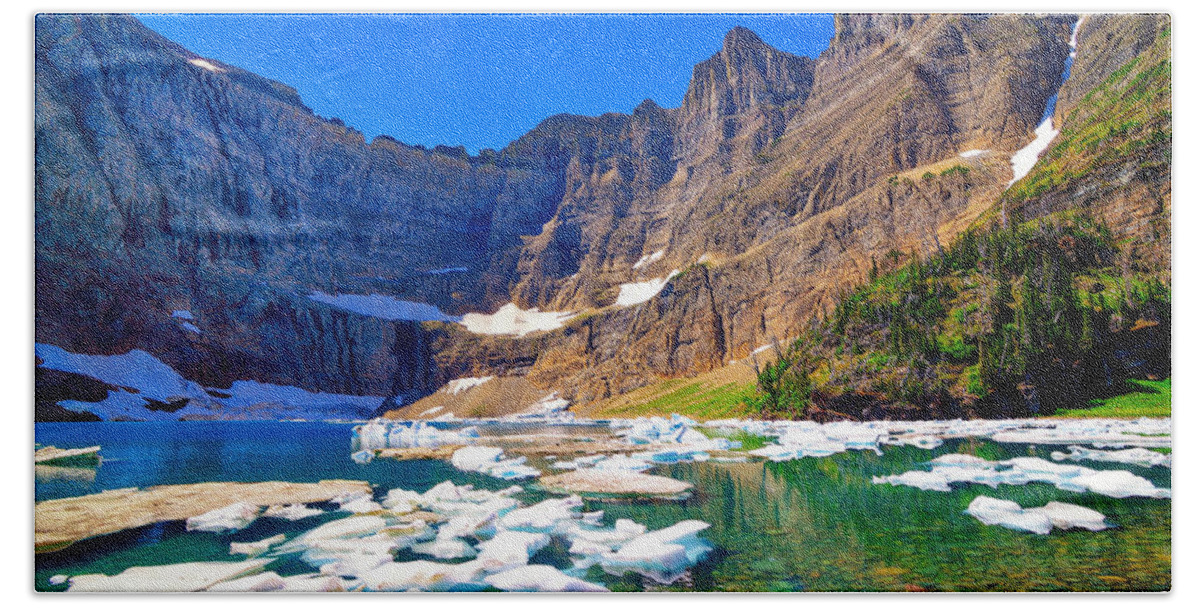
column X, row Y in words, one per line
column 807, row 525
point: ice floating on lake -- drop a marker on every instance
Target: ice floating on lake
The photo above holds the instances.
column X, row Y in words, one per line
column 189, row 576
column 539, row 578
column 380, row 433
column 256, row 547
column 226, row 519
column 1137, row 456
column 1038, row 520
column 491, row 461
column 293, row 512
column 663, row 555
column 264, row 581
column 960, row 468
column 635, row 293
column 510, row 320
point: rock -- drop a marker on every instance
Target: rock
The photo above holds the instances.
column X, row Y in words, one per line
column 615, row 482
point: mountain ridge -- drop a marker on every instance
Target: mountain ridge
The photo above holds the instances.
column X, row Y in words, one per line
column 198, row 186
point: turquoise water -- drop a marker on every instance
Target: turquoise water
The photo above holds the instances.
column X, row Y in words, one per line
column 812, row 524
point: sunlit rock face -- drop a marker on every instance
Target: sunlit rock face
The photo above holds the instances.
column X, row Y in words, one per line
column 167, row 181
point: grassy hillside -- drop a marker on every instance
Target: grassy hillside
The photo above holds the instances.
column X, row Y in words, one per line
column 1029, row 319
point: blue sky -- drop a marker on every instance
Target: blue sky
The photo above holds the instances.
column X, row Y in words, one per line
column 477, row 80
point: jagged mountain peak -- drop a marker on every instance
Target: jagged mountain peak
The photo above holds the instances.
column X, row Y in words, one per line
column 740, row 38
column 745, row 73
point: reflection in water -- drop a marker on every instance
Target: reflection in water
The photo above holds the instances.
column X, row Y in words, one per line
column 814, row 524
column 44, row 473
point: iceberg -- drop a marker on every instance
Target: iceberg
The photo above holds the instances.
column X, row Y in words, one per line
column 226, row 519
column 540, row 578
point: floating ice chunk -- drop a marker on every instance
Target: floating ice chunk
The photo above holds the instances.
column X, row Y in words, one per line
column 445, row 548
column 257, row 547
column 1136, row 456
column 402, row 501
column 357, row 526
column 264, row 581
column 663, row 555
column 540, row 578
column 487, row 460
column 291, row 512
column 1038, row 520
column 922, row 480
column 962, row 460
column 380, row 433
column 363, row 456
column 992, row 512
column 361, row 504
column 632, row 294
column 1066, row 516
column 59, row 579
column 384, row 307
column 621, row 462
column 649, row 259
column 189, row 576
column 544, row 516
column 226, row 519
column 459, row 385
column 405, row 576
column 313, row 583
column 513, row 321
column 1116, row 484
column 510, row 548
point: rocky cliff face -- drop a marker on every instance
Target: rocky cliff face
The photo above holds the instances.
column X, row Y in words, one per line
column 166, row 181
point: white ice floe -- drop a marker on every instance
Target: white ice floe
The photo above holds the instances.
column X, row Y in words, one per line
column 539, row 578
column 293, row 512
column 649, row 259
column 255, row 548
column 261, row 582
column 226, row 519
column 380, row 433
column 635, row 293
column 960, row 468
column 383, row 307
column 1039, row 520
column 459, row 385
column 972, row 153
column 510, row 320
column 664, row 555
column 491, row 461
column 1137, row 456
column 189, row 576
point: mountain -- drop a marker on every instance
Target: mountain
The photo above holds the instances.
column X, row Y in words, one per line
column 170, row 187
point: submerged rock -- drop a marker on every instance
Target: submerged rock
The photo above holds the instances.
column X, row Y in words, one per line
column 615, row 482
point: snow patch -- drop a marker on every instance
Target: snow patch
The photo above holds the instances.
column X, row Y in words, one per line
column 186, row 315
column 511, row 320
column 448, row 270
column 455, row 387
column 207, row 65
column 384, row 307
column 649, row 259
column 972, row 153
column 636, row 293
